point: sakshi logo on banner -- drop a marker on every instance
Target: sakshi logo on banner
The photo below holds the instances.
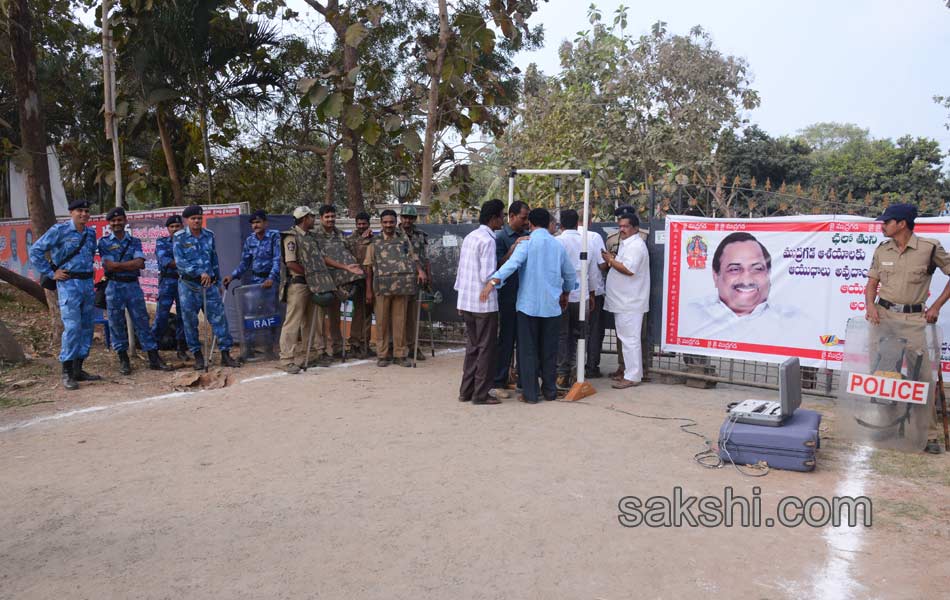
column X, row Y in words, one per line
column 696, row 252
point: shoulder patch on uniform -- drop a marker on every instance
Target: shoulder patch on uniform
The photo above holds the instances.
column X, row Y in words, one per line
column 291, row 246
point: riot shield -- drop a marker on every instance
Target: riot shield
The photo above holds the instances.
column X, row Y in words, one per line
column 259, row 321
column 888, row 383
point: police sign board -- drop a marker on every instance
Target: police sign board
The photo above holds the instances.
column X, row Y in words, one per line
column 888, row 388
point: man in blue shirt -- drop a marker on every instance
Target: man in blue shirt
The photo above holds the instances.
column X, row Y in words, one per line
column 72, row 247
column 505, row 240
column 545, row 278
column 168, row 287
column 198, row 273
column 123, row 259
column 260, row 256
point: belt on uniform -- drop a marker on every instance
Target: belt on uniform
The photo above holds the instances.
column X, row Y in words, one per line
column 80, row 275
column 265, row 274
column 900, row 308
column 192, row 278
column 124, row 278
column 298, row 279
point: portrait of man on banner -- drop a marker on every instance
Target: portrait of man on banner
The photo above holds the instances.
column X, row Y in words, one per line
column 740, row 309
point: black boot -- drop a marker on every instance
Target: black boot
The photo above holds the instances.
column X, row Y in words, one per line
column 227, row 361
column 156, row 363
column 125, row 367
column 68, row 382
column 199, row 361
column 182, row 351
column 79, row 374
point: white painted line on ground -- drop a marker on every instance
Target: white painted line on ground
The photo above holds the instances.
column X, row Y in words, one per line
column 88, row 410
column 95, row 409
column 836, row 581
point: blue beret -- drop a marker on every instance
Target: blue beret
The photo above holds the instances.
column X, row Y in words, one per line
column 626, row 208
column 173, row 219
column 258, row 214
column 118, row 211
column 78, row 204
column 899, row 212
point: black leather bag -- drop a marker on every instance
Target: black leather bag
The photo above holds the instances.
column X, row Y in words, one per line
column 100, row 299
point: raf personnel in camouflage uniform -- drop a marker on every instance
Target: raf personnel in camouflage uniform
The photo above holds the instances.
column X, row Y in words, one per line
column 904, row 266
column 72, row 247
column 360, row 341
column 198, row 272
column 420, row 241
column 122, row 259
column 168, row 287
column 260, row 255
column 393, row 271
column 307, row 279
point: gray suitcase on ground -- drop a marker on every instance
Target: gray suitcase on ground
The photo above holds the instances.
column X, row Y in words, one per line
column 791, row 446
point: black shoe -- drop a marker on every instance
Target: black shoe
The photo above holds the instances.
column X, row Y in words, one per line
column 402, row 362
column 182, row 352
column 68, row 382
column 125, row 367
column 933, row 446
column 199, row 361
column 79, row 374
column 227, row 361
column 420, row 355
column 382, row 363
column 593, row 374
column 156, row 363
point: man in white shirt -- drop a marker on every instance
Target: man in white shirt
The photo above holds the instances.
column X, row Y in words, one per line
column 477, row 262
column 628, row 296
column 572, row 240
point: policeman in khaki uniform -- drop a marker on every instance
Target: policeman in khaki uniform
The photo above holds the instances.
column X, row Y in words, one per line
column 306, row 275
column 420, row 240
column 904, row 266
column 333, row 245
column 392, row 273
column 360, row 342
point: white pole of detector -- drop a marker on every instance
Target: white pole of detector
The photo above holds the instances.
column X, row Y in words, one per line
column 511, row 189
column 585, row 264
column 557, row 205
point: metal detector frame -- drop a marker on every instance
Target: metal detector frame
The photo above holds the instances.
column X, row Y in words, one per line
column 585, row 173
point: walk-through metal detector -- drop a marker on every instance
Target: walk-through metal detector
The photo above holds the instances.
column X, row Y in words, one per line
column 580, row 389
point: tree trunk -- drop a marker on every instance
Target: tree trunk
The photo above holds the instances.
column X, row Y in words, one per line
column 203, row 121
column 39, row 197
column 432, row 110
column 24, row 283
column 169, row 157
column 351, row 138
column 330, row 174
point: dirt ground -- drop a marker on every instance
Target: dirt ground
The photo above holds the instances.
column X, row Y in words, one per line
column 360, row 482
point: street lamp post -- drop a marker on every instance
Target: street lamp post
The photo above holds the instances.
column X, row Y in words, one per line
column 401, row 186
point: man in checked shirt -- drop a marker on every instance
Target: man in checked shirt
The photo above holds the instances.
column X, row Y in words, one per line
column 477, row 261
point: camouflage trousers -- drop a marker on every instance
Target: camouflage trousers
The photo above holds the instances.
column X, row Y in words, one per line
column 192, row 297
column 124, row 296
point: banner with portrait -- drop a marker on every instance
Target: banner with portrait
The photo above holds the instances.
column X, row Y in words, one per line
column 767, row 289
